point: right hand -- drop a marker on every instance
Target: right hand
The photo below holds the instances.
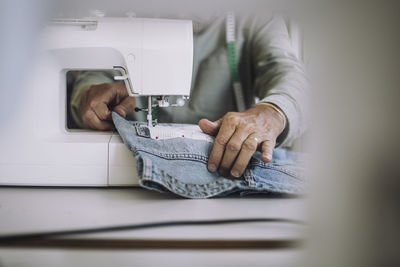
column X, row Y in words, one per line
column 98, row 102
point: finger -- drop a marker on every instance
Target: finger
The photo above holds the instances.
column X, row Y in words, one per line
column 248, row 148
column 110, row 92
column 209, row 127
column 101, row 110
column 121, row 90
column 91, row 120
column 267, row 149
column 232, row 150
column 99, row 97
column 222, row 139
column 126, row 106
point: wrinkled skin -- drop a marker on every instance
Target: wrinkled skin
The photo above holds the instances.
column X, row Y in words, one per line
column 239, row 135
column 100, row 100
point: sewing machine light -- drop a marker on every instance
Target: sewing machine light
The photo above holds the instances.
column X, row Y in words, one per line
column 180, row 102
column 163, row 102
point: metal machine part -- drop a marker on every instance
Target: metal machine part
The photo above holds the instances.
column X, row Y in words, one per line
column 162, row 102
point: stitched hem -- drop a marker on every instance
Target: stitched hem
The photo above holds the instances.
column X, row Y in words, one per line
column 162, row 180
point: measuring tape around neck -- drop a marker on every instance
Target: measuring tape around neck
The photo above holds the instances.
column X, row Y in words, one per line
column 232, row 60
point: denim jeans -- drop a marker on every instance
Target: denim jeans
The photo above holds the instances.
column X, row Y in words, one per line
column 179, row 165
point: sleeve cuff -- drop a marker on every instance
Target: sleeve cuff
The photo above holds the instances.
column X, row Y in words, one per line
column 286, row 138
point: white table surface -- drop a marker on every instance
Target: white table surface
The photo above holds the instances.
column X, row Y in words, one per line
column 27, row 209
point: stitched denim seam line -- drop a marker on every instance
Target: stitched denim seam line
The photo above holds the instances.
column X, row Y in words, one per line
column 149, row 177
column 275, row 189
column 278, row 186
column 200, row 158
column 285, row 171
column 264, row 164
column 147, row 168
column 248, row 177
column 200, row 192
column 178, row 156
column 166, row 180
column 275, row 184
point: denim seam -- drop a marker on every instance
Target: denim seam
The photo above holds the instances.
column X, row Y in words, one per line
column 147, row 168
column 202, row 191
column 248, row 177
column 272, row 167
column 200, row 158
column 175, row 186
column 177, row 156
column 277, row 189
column 182, row 189
column 203, row 159
column 274, row 184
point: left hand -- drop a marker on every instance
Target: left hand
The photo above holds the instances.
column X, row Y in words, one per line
column 239, row 135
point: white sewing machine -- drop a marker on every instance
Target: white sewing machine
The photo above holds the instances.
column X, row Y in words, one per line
column 155, row 58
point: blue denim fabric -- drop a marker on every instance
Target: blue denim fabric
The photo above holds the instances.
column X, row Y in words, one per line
column 179, row 165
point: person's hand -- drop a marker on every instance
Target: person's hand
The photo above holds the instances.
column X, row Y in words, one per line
column 98, row 102
column 240, row 134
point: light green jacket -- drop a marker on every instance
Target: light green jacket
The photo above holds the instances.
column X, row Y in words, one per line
column 269, row 68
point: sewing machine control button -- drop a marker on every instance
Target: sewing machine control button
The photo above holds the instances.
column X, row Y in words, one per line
column 131, row 58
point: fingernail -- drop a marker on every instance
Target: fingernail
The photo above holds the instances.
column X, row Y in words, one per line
column 235, row 174
column 267, row 157
column 120, row 112
column 212, row 168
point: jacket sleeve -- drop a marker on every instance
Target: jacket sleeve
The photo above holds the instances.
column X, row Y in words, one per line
column 279, row 75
